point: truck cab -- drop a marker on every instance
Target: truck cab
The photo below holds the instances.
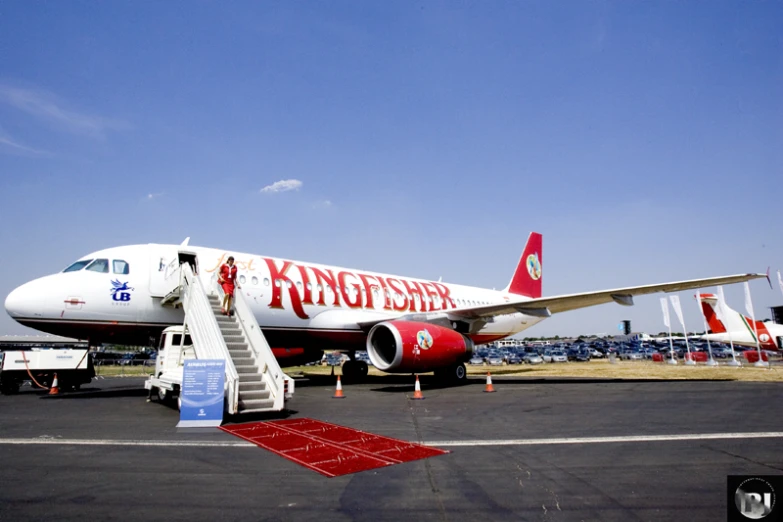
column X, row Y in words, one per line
column 175, row 347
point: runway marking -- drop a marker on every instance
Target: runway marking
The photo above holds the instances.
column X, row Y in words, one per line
column 453, row 443
column 115, row 442
column 599, row 440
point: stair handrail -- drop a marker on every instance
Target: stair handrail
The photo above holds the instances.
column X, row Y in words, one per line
column 256, row 341
column 207, row 338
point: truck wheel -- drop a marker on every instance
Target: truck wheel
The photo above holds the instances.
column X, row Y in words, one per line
column 163, row 395
column 9, row 387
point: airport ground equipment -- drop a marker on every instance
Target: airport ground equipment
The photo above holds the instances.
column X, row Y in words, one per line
column 254, row 380
column 73, row 366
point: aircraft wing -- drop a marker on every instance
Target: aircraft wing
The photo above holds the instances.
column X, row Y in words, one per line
column 546, row 306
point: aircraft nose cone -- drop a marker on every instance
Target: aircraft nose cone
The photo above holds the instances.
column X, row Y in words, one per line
column 23, row 301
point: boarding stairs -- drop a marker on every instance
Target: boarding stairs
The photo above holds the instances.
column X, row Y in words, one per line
column 254, row 380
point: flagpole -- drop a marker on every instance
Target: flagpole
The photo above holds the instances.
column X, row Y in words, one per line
column 712, row 361
column 675, row 299
column 722, row 312
column 749, row 307
column 665, row 308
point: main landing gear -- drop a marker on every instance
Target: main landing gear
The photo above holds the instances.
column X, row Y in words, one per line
column 452, row 375
column 354, row 371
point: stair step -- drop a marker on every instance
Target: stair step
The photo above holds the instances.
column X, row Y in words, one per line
column 239, row 352
column 255, row 405
column 252, row 385
column 247, row 369
column 254, row 395
column 242, row 361
column 234, row 339
column 259, row 410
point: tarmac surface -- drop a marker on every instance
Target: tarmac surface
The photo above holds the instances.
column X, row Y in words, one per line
column 508, row 459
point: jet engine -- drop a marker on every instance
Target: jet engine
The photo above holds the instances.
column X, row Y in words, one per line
column 407, row 346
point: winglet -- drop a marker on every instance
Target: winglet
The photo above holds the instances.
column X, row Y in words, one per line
column 528, row 275
column 769, row 280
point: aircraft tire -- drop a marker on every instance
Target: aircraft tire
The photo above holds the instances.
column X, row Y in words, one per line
column 362, row 369
column 452, row 375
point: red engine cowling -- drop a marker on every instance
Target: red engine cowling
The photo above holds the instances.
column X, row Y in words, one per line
column 406, row 346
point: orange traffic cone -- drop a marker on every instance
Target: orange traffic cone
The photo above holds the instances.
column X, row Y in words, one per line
column 55, row 389
column 338, row 392
column 417, row 395
column 489, row 388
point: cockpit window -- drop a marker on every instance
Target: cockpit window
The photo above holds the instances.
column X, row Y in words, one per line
column 78, row 265
column 99, row 265
column 120, row 267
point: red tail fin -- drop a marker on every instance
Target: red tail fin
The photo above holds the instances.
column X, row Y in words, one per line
column 527, row 277
column 708, row 303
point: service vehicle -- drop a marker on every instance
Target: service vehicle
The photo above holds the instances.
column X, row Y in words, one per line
column 173, row 351
column 38, row 365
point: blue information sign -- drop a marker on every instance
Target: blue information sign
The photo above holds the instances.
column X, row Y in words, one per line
column 203, row 382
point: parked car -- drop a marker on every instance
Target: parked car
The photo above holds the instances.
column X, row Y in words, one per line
column 547, row 355
column 533, row 358
column 582, row 355
column 476, row 360
column 514, row 359
column 334, row 360
column 559, row 356
column 597, row 354
column 495, row 360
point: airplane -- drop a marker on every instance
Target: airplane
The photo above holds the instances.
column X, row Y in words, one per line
column 733, row 326
column 406, row 325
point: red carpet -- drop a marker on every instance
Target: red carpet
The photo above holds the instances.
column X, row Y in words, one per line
column 329, row 449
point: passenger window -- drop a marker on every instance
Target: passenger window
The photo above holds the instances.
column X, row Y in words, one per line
column 78, row 265
column 99, row 265
column 120, row 267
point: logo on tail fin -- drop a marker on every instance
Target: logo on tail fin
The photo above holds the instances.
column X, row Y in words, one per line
column 534, row 267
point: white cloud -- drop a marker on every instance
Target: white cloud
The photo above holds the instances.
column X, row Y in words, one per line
column 284, row 185
column 324, row 203
column 47, row 107
column 10, row 145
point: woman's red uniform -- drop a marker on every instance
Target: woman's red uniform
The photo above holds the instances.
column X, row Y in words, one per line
column 229, row 275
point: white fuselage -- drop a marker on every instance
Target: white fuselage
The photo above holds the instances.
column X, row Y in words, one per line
column 297, row 304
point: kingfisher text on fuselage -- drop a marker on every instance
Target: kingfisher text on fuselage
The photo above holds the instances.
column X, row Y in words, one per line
column 357, row 290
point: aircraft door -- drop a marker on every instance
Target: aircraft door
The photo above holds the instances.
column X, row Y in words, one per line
column 163, row 262
column 190, row 258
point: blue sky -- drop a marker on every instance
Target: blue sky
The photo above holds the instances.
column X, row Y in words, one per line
column 644, row 140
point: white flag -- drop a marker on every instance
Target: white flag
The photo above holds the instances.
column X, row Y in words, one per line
column 748, row 302
column 665, row 308
column 721, row 305
column 780, row 281
column 677, row 308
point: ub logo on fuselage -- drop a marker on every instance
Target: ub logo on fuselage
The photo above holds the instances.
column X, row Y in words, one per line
column 120, row 291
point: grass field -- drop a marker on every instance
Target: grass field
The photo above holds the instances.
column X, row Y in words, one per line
column 597, row 369
column 124, row 371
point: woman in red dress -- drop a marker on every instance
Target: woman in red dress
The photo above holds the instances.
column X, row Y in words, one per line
column 227, row 278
